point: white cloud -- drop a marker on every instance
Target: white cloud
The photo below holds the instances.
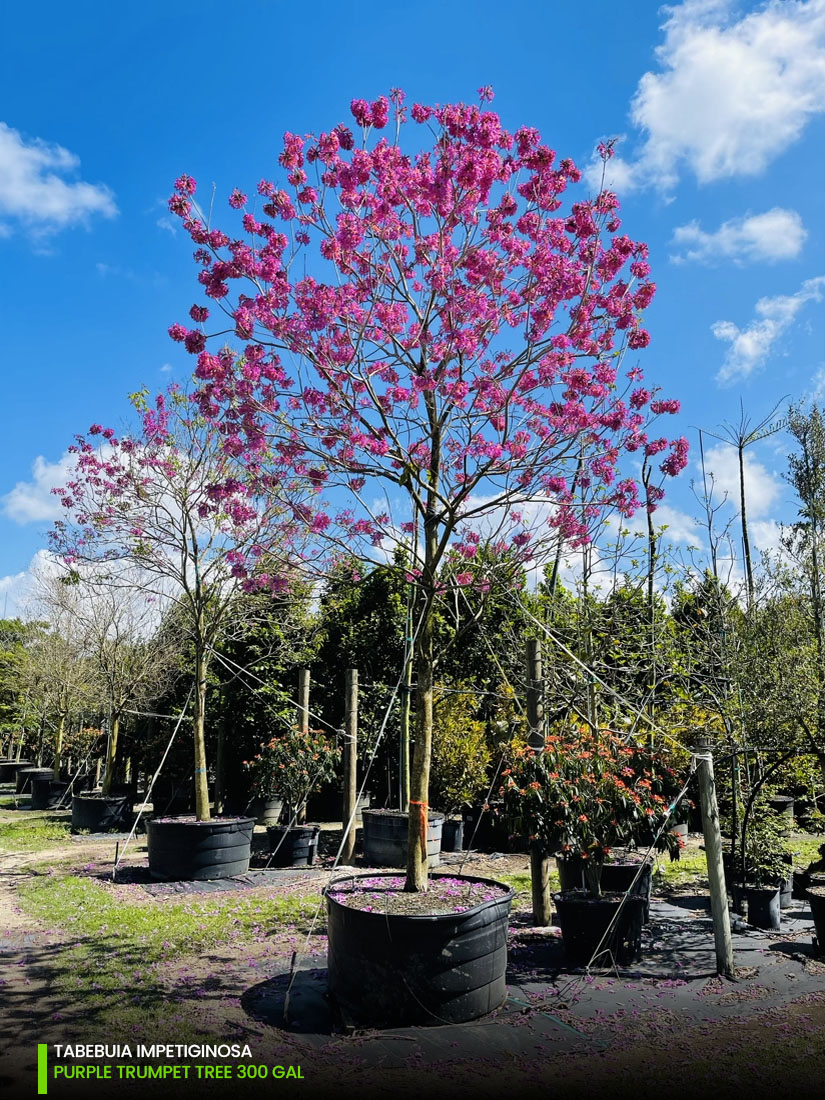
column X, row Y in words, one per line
column 762, row 488
column 751, row 346
column 681, row 528
column 765, row 534
column 818, row 391
column 33, row 501
column 775, row 235
column 617, row 174
column 17, row 589
column 34, row 192
column 730, row 95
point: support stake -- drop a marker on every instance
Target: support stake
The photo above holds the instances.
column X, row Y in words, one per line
column 703, row 757
column 539, row 859
column 350, row 763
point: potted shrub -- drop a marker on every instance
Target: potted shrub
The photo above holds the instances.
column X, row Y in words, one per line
column 290, row 767
column 767, row 852
column 461, row 758
column 586, row 793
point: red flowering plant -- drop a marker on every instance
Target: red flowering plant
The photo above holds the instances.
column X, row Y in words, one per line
column 291, row 765
column 587, row 792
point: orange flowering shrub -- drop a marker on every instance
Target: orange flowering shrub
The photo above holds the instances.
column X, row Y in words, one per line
column 586, row 793
column 291, row 765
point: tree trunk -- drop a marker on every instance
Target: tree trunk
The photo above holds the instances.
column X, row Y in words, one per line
column 111, row 755
column 424, row 655
column 746, row 544
column 422, row 750
column 201, row 786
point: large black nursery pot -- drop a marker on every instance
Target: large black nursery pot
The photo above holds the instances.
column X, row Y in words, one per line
column 8, row 770
column 624, row 875
column 266, row 811
column 26, row 775
column 385, row 838
column 327, row 804
column 600, row 931
column 783, row 804
column 293, row 846
column 183, row 849
column 452, row 834
column 394, row 970
column 102, row 813
column 48, row 794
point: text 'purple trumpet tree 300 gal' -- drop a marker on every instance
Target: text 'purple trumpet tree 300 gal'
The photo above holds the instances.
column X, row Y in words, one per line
column 433, row 345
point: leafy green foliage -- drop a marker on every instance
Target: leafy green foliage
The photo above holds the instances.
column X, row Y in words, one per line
column 461, row 753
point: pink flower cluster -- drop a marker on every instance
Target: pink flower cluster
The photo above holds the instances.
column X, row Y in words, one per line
column 451, row 316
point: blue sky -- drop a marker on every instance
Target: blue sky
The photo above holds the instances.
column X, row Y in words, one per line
column 718, row 106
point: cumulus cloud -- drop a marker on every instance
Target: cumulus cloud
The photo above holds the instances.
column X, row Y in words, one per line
column 681, row 528
column 33, row 501
column 750, row 347
column 775, row 235
column 762, row 488
column 17, row 589
column 730, row 94
column 38, row 190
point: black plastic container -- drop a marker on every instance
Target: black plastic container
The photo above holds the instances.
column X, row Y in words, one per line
column 385, row 838
column 266, row 811
column 452, row 834
column 587, row 934
column 392, row 970
column 571, row 873
column 46, row 794
column 99, row 814
column 183, row 849
column 8, row 770
column 26, row 775
column 763, row 907
column 816, row 900
column 295, row 846
column 621, row 876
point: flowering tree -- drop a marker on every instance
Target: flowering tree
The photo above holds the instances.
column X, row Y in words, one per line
column 150, row 501
column 432, row 345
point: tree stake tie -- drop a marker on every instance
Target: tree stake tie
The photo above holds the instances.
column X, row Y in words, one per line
column 422, row 822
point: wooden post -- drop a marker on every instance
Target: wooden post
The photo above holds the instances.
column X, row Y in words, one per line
column 539, row 859
column 303, row 725
column 350, row 761
column 303, row 699
column 703, row 757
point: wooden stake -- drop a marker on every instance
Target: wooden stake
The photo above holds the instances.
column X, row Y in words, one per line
column 303, row 725
column 703, row 756
column 303, row 699
column 350, row 762
column 539, row 859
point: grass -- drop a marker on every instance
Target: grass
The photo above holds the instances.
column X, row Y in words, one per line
column 161, row 930
column 132, row 959
column 30, row 834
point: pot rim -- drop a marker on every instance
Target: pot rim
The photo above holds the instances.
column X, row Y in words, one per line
column 422, row 918
column 187, row 820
